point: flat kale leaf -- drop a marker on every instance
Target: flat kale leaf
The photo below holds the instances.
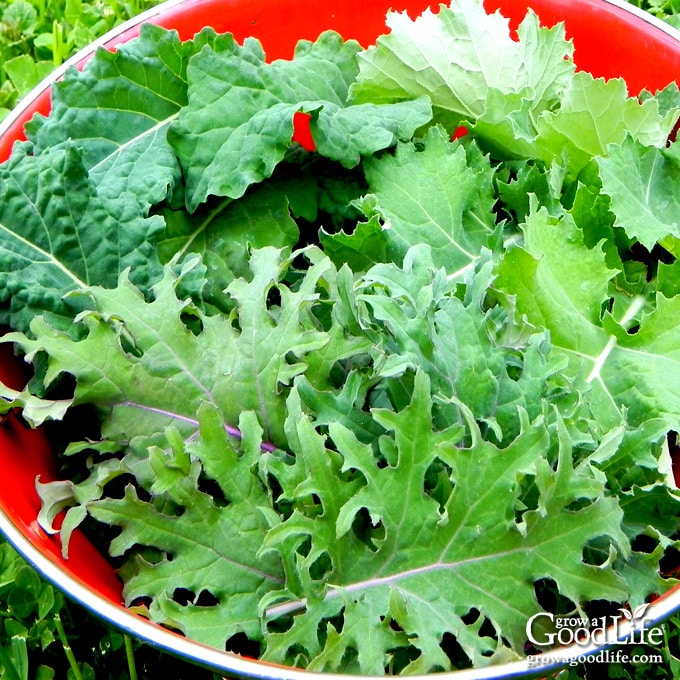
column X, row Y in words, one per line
column 238, row 124
column 118, row 109
column 59, row 235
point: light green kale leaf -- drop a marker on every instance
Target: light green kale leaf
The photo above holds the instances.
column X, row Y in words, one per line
column 148, row 364
column 592, row 114
column 637, row 464
column 348, row 133
column 629, row 355
column 595, row 113
column 641, row 182
column 383, row 562
column 458, row 56
column 559, row 284
column 57, row 234
column 238, row 124
column 439, row 193
column 521, row 97
column 118, row 109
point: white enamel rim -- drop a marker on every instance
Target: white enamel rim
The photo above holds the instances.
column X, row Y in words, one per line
column 227, row 662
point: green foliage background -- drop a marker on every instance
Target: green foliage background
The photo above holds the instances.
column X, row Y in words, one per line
column 42, row 634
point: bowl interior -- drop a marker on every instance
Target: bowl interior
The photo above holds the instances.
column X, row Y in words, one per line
column 610, row 41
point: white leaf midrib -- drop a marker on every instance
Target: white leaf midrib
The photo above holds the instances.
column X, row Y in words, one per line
column 48, row 257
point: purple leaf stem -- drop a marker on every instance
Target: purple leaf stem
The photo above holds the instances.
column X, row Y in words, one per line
column 230, row 429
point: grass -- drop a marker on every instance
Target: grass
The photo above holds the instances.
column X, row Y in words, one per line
column 668, row 10
column 43, row 635
column 38, row 35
